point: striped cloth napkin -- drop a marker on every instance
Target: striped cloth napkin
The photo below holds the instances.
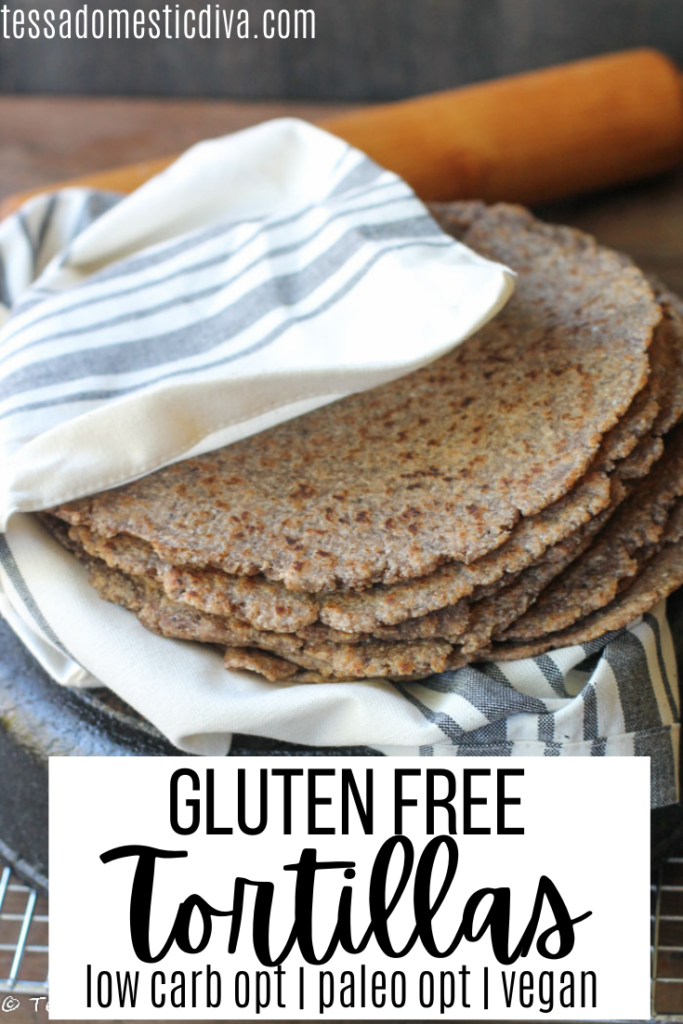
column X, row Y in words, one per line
column 143, row 330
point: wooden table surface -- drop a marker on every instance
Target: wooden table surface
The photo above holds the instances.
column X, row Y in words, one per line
column 46, row 139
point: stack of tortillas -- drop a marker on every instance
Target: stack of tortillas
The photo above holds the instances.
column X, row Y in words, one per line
column 522, row 493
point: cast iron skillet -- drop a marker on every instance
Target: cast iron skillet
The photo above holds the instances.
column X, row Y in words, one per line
column 39, row 718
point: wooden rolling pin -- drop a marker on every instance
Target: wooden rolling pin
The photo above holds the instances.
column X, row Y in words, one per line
column 527, row 138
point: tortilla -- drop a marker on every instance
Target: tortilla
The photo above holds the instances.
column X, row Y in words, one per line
column 641, row 460
column 667, row 358
column 271, row 606
column 263, row 604
column 314, row 661
column 342, row 661
column 592, row 581
column 168, row 618
column 435, row 467
column 396, row 532
column 658, row 406
column 271, row 668
column 659, row 579
column 504, row 606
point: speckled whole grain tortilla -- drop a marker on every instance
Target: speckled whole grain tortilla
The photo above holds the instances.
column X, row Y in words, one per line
column 496, row 611
column 315, row 660
column 666, row 358
column 435, row 467
column 340, row 656
column 341, row 661
column 264, row 604
column 271, row 606
column 641, row 460
column 662, row 574
column 657, row 406
column 259, row 602
column 329, row 662
column 417, row 603
column 593, row 580
column 375, row 618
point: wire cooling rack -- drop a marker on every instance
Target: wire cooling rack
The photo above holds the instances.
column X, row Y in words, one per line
column 23, row 939
column 24, row 922
column 667, row 941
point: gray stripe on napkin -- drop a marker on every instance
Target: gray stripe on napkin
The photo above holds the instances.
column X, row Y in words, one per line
column 103, row 394
column 285, row 291
column 122, row 269
column 12, row 569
